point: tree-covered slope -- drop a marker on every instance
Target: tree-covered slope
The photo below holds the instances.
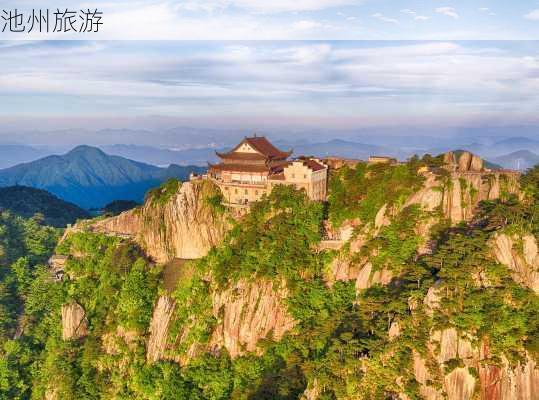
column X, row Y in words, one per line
column 26, row 202
column 90, row 178
column 27, row 295
column 412, row 305
column 118, row 206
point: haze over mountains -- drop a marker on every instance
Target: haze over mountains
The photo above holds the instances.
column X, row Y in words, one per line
column 91, row 178
column 197, row 146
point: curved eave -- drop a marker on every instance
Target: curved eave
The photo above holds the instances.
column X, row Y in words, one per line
column 221, row 155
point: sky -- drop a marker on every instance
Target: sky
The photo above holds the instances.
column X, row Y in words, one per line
column 301, row 19
column 408, row 63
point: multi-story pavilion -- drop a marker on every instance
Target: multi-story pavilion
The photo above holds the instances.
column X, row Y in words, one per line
column 254, row 166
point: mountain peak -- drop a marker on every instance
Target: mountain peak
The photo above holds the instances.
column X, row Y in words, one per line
column 85, row 149
column 90, row 178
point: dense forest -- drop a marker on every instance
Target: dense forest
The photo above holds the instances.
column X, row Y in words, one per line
column 340, row 337
column 27, row 202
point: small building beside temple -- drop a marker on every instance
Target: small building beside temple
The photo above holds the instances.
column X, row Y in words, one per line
column 382, row 160
column 255, row 166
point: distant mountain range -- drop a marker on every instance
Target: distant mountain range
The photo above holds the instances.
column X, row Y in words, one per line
column 202, row 155
column 90, row 178
column 337, row 147
column 26, row 202
column 520, row 160
column 13, row 154
column 163, row 157
column 198, row 147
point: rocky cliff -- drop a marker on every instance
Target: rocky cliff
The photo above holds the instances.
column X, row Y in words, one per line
column 184, row 225
column 478, row 376
column 456, row 365
column 244, row 313
column 462, row 185
column 159, row 328
column 74, row 322
column 521, row 256
column 248, row 312
column 452, row 192
column 226, row 312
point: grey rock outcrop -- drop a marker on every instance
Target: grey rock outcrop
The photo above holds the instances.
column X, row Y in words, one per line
column 74, row 322
column 159, row 328
column 523, row 262
column 185, row 226
column 250, row 311
column 491, row 380
column 467, row 184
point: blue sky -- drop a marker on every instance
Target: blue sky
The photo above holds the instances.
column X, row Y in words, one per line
column 441, row 75
column 332, row 83
column 305, row 19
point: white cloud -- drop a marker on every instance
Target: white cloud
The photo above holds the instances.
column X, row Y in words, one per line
column 533, row 15
column 486, row 10
column 275, row 6
column 281, row 78
column 381, row 17
column 408, row 11
column 448, row 11
column 306, row 25
column 414, row 14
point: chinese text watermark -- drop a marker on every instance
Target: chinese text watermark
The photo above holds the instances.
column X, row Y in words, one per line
column 50, row 21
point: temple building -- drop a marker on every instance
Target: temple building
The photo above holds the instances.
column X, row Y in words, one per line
column 255, row 166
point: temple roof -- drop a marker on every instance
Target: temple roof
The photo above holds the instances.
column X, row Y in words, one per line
column 259, row 144
column 313, row 164
column 239, row 168
column 241, row 156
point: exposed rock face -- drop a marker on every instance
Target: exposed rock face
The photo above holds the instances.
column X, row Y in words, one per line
column 246, row 313
column 465, row 190
column 476, row 165
column 111, row 341
column 381, row 219
column 449, row 158
column 468, row 183
column 429, row 197
column 185, row 226
column 494, row 382
column 394, row 330
column 459, row 384
column 74, row 322
column 250, row 311
column 367, row 278
column 159, row 328
column 465, row 160
column 491, row 380
column 462, row 192
column 523, row 262
column 51, row 394
column 312, row 392
column 344, row 232
column 503, row 382
column 343, row 269
column 432, row 299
